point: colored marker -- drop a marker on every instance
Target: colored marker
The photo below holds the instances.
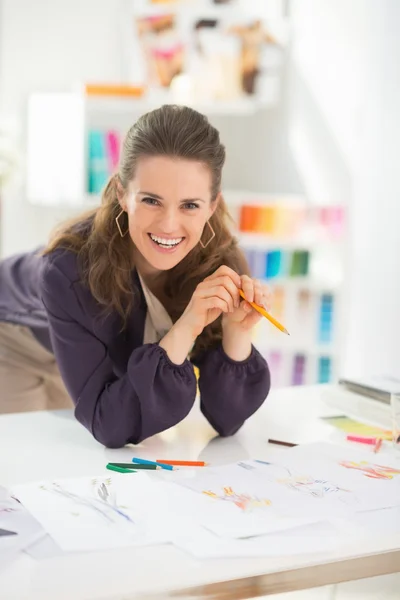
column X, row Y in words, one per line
column 362, row 439
column 182, row 463
column 132, row 466
column 119, row 469
column 143, row 461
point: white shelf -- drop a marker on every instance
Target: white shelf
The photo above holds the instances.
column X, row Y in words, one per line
column 129, row 106
column 288, row 347
column 237, row 198
column 261, row 241
column 294, row 284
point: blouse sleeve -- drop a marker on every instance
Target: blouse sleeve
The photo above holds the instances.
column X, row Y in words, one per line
column 230, row 391
column 153, row 395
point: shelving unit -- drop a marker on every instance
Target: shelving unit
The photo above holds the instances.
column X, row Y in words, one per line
column 310, row 304
column 61, row 179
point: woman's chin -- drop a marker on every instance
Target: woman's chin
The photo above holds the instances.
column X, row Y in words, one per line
column 164, row 261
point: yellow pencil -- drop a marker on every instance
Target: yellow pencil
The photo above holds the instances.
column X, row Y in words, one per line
column 264, row 313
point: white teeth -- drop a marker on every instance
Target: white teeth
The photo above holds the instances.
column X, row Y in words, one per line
column 165, row 242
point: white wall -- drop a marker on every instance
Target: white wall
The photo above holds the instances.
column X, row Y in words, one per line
column 47, row 45
column 345, row 59
column 374, row 316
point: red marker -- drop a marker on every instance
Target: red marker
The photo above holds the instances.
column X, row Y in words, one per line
column 362, row 439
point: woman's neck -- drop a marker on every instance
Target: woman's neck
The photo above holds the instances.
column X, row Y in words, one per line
column 153, row 278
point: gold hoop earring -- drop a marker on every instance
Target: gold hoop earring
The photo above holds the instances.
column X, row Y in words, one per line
column 211, row 238
column 121, row 233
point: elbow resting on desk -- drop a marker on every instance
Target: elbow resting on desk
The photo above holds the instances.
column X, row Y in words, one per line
column 237, row 392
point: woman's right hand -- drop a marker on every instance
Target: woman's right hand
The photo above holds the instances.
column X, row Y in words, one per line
column 217, row 294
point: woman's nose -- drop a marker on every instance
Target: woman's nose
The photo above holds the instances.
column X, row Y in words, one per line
column 169, row 222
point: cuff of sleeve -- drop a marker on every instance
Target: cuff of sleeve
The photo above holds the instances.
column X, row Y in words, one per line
column 239, row 363
column 157, row 355
column 163, row 354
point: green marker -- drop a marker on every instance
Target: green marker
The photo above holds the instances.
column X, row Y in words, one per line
column 112, row 467
column 137, row 466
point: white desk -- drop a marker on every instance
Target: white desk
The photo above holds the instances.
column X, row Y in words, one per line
column 52, row 444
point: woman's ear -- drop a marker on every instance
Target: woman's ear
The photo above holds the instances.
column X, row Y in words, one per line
column 214, row 204
column 121, row 195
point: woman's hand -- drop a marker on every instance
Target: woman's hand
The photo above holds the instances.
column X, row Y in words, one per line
column 237, row 326
column 245, row 317
column 217, row 294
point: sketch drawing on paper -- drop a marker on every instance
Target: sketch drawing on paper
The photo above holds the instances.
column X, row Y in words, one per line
column 245, row 502
column 306, row 484
column 371, row 470
column 100, row 499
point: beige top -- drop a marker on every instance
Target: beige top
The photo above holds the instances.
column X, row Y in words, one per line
column 158, row 322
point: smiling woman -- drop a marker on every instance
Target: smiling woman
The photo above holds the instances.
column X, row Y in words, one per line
column 128, row 297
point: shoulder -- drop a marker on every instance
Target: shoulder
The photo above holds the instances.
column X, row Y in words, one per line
column 66, row 293
column 62, row 289
column 60, row 265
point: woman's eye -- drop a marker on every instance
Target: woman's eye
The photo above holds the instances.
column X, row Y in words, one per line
column 151, row 201
column 190, row 205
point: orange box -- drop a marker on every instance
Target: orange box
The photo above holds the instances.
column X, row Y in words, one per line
column 267, row 220
column 126, row 91
column 249, row 217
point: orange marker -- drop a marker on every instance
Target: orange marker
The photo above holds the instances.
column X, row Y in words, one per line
column 264, row 313
column 183, row 463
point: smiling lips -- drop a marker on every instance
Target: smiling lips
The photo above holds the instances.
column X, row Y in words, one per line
column 165, row 243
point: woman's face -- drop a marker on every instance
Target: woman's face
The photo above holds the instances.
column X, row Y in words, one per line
column 168, row 204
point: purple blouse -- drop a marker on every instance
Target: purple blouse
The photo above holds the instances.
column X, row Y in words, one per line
column 123, row 391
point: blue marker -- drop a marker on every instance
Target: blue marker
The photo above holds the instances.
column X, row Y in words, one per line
column 143, row 461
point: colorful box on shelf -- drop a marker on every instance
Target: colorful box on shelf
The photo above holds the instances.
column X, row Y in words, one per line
column 103, row 158
column 279, row 220
column 298, row 368
column 326, row 319
column 277, row 263
column 272, row 219
column 332, row 220
column 114, row 90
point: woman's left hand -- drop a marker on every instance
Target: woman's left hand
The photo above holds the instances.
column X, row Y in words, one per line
column 245, row 317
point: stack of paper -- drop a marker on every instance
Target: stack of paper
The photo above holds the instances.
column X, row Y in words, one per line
column 298, row 501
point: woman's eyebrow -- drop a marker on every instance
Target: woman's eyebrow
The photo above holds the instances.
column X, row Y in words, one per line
column 158, row 197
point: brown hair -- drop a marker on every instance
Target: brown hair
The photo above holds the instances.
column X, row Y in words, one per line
column 175, row 131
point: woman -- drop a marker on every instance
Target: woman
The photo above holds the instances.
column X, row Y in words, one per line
column 122, row 296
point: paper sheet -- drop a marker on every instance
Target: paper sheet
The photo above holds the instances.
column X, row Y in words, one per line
column 311, row 539
column 44, row 548
column 16, row 519
column 318, row 538
column 235, row 503
column 371, row 481
column 94, row 513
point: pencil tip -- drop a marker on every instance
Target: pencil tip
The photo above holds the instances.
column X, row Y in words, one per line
column 286, row 331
